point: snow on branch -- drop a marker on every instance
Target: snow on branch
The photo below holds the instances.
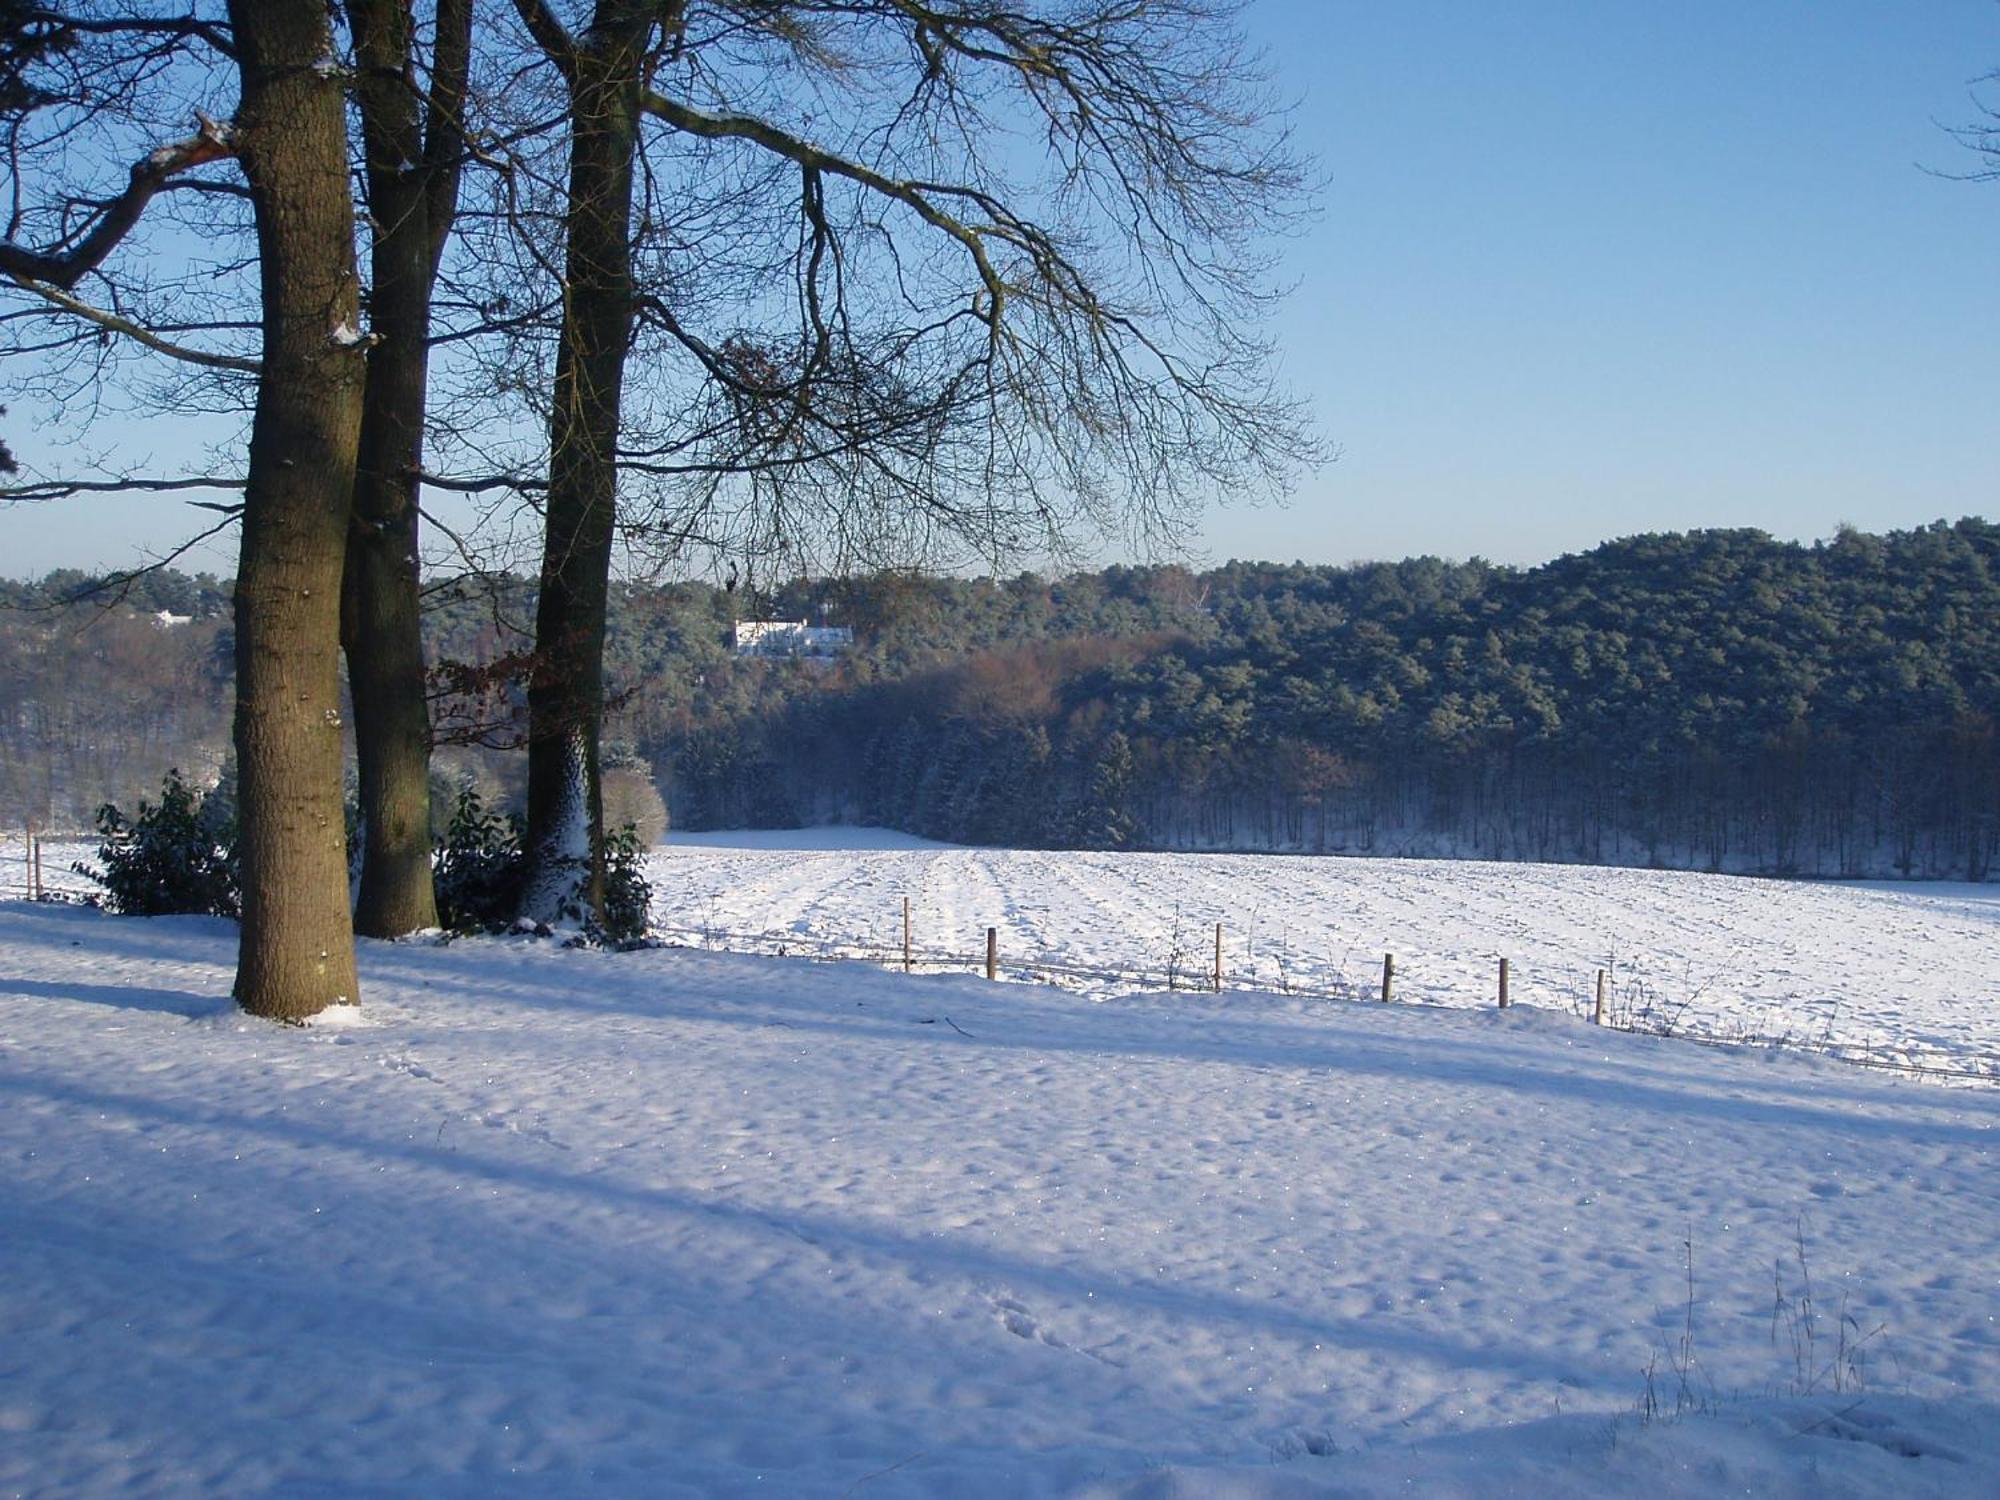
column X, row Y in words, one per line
column 61, row 270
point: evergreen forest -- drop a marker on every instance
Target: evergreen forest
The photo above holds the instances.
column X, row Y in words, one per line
column 1715, row 700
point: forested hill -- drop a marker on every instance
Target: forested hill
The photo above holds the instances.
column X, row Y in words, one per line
column 1715, row 699
column 99, row 697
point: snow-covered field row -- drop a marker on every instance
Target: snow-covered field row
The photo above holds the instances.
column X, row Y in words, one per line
column 676, row 1224
column 1901, row 973
column 1898, row 973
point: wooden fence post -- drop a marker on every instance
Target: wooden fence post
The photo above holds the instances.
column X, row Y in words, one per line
column 1503, row 984
column 1388, row 975
column 906, row 934
column 1599, row 1016
column 30, row 865
column 1218, row 958
column 992, row 953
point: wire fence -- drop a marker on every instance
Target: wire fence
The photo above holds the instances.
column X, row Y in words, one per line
column 1606, row 1006
column 31, row 883
column 1191, row 968
column 38, row 866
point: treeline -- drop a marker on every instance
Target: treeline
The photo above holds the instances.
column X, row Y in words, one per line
column 1713, row 700
column 101, row 695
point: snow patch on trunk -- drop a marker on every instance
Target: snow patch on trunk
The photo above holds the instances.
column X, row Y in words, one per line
column 559, row 867
column 357, row 862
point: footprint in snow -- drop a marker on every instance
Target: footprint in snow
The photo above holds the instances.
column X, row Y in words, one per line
column 1016, row 1319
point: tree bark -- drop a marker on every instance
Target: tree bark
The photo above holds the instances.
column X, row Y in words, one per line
column 296, row 954
column 412, row 195
column 565, row 839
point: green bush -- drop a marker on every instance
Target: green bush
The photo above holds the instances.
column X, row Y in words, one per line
column 480, row 867
column 178, row 855
column 627, row 895
column 477, row 867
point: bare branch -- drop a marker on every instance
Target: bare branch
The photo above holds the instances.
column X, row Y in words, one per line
column 549, row 34
column 482, row 484
column 63, row 489
column 918, row 197
column 118, row 584
column 115, row 324
column 64, row 269
column 186, row 28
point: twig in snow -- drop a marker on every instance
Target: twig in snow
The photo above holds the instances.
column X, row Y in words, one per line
column 878, row 1474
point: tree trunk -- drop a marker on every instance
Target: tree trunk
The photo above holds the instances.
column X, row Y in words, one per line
column 381, row 625
column 565, row 839
column 296, row 954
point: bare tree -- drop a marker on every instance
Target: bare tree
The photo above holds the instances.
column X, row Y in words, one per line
column 409, row 101
column 603, row 70
column 413, row 151
column 297, row 951
column 285, row 131
column 903, row 279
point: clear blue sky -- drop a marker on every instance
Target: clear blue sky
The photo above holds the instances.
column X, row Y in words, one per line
column 1591, row 267
column 1586, row 268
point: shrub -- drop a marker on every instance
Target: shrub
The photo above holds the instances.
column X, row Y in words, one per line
column 178, row 855
column 480, row 867
column 631, row 798
column 627, row 895
column 477, row 867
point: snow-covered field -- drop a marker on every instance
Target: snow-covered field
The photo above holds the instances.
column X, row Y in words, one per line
column 1896, row 973
column 686, row 1223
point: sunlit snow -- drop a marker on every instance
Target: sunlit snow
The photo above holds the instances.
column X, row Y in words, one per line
column 692, row 1223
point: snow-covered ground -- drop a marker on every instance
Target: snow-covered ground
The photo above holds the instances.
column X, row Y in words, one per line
column 682, row 1223
column 1898, row 973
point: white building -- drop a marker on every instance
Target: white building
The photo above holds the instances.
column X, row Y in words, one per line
column 790, row 638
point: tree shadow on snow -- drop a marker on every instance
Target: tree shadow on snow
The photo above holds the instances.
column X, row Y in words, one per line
column 184, row 1003
column 1628, row 1075
column 1158, row 1301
